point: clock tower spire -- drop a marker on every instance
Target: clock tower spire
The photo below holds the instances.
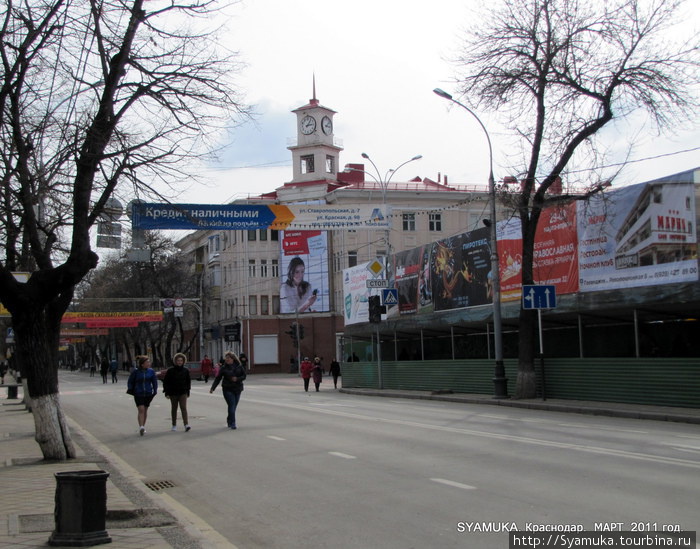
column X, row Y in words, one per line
column 316, row 152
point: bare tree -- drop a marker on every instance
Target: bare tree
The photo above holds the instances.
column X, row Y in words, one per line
column 119, row 284
column 557, row 72
column 96, row 97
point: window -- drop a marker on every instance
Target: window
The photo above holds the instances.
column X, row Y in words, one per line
column 274, row 235
column 435, row 222
column 352, row 258
column 275, row 268
column 215, row 276
column 214, row 244
column 307, row 163
column 263, row 270
column 252, row 235
column 251, row 268
column 275, row 304
column 263, row 235
column 264, row 305
column 330, row 164
column 253, row 304
column 409, row 222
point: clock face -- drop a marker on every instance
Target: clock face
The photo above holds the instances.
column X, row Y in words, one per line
column 327, row 125
column 308, row 125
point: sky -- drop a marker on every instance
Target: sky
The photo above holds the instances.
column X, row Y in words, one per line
column 376, row 63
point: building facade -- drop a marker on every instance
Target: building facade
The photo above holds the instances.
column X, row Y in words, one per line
column 244, row 299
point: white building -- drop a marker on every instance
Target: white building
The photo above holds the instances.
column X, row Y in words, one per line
column 243, row 271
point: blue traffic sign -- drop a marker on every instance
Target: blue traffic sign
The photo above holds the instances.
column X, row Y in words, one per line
column 390, row 296
column 537, row 296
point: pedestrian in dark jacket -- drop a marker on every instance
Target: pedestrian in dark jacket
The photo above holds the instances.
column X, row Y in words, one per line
column 176, row 387
column 104, row 368
column 143, row 385
column 317, row 373
column 335, row 372
column 231, row 376
column 114, row 368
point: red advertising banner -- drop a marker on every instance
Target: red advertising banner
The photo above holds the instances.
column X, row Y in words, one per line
column 297, row 242
column 84, row 332
column 112, row 320
column 112, row 324
column 555, row 251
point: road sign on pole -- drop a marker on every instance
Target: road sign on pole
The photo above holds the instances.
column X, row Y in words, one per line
column 390, row 296
column 539, row 296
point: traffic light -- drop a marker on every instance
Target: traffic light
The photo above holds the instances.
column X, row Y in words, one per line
column 375, row 309
column 301, row 331
column 293, row 334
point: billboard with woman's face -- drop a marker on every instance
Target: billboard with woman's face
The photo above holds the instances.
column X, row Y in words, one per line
column 304, row 286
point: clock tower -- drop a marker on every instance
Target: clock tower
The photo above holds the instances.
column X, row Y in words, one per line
column 315, row 155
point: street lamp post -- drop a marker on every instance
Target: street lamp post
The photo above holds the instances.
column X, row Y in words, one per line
column 500, row 381
column 383, row 183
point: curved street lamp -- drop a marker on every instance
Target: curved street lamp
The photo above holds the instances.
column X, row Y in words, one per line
column 384, row 185
column 500, row 382
column 384, row 182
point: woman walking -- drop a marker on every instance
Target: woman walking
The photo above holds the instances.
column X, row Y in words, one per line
column 306, row 369
column 143, row 385
column 231, row 376
column 176, row 386
column 317, row 373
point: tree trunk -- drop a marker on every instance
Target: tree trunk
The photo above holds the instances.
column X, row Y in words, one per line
column 37, row 352
column 526, row 384
column 52, row 432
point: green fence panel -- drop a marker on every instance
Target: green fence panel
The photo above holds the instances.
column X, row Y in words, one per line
column 652, row 381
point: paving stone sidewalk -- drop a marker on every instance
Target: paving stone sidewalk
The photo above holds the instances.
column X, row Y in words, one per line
column 135, row 520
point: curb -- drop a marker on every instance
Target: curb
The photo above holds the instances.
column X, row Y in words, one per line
column 597, row 409
column 196, row 527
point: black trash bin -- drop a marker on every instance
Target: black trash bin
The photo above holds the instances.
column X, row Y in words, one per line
column 81, row 509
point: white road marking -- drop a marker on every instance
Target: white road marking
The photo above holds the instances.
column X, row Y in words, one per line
column 453, row 483
column 686, row 448
column 601, row 428
column 273, row 437
column 497, row 436
column 560, row 424
column 508, row 418
column 342, row 455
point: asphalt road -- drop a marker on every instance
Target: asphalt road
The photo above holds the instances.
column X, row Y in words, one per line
column 315, row 470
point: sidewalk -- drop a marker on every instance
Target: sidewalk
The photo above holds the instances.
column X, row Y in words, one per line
column 612, row 409
column 136, row 518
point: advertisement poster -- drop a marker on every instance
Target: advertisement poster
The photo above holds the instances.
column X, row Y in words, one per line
column 640, row 235
column 355, row 294
column 304, row 271
column 460, row 271
column 510, row 249
column 407, row 270
column 555, row 252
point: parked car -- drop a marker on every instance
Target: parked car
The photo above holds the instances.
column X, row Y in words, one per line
column 195, row 369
